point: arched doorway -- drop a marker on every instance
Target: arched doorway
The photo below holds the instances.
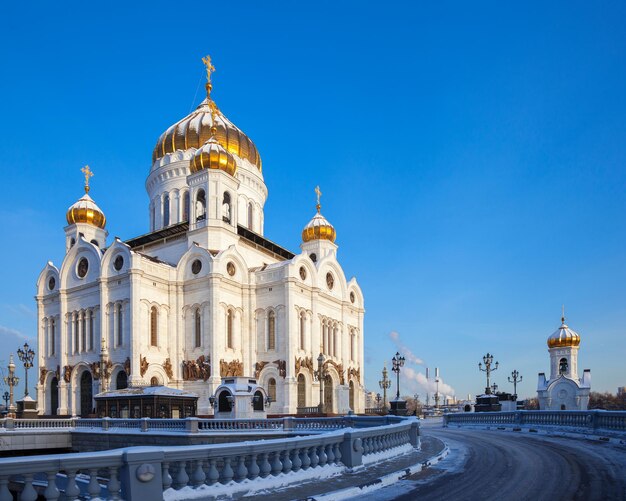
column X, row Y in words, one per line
column 121, row 381
column 351, row 395
column 328, row 394
column 301, row 390
column 86, row 394
column 223, row 404
column 54, row 396
column 258, row 402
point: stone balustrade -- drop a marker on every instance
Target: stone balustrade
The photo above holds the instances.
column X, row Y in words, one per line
column 145, row 473
column 586, row 420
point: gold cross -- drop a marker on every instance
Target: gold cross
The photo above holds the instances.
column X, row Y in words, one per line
column 209, row 69
column 318, row 192
column 88, row 173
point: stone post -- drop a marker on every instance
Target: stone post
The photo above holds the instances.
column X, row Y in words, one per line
column 191, row 425
column 140, row 475
column 351, row 450
column 414, row 435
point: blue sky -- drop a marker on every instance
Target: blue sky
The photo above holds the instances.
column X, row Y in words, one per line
column 471, row 157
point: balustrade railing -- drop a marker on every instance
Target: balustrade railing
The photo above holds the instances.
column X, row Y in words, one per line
column 590, row 420
column 145, row 473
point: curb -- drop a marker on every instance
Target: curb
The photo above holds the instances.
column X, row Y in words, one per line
column 379, row 483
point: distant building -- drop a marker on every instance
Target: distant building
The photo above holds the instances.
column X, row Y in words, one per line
column 621, row 390
column 564, row 390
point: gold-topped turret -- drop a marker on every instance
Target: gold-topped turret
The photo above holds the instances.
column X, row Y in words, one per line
column 563, row 336
column 318, row 228
column 85, row 209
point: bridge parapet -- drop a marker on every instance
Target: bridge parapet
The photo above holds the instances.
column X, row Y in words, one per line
column 586, row 420
column 140, row 473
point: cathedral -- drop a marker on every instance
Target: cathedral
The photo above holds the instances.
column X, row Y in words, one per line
column 204, row 294
column 564, row 390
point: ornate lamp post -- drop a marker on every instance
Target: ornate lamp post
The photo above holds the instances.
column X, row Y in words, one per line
column 385, row 384
column 416, row 398
column 26, row 356
column 6, row 397
column 494, row 388
column 488, row 360
column 320, row 374
column 11, row 380
column 398, row 363
column 516, row 379
column 378, row 399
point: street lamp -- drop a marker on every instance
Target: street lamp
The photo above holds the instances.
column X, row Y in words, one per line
column 320, row 374
column 516, row 379
column 26, row 356
column 416, row 398
column 398, row 363
column 494, row 387
column 11, row 380
column 488, row 360
column 378, row 398
column 385, row 384
column 6, row 397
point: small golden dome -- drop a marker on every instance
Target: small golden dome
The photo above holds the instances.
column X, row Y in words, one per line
column 86, row 211
column 563, row 337
column 213, row 156
column 318, row 228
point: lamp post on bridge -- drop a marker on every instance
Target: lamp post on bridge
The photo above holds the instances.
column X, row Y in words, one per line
column 488, row 360
column 26, row 356
column 516, row 379
column 320, row 374
column 11, row 380
column 398, row 406
column 385, row 384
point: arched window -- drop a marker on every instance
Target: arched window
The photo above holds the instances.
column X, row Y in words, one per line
column 76, row 333
column 271, row 389
column 563, row 366
column 250, row 216
column 226, row 208
column 197, row 332
column 83, row 331
column 351, row 395
column 229, row 329
column 335, row 340
column 154, row 381
column 302, row 329
column 352, row 344
column 152, row 216
column 121, row 381
column 200, row 206
column 120, row 325
column 153, row 326
column 52, row 336
column 186, row 206
column 258, row 402
column 301, row 390
column 271, row 331
column 324, row 337
column 166, row 210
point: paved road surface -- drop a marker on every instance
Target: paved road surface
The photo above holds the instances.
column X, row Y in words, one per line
column 503, row 465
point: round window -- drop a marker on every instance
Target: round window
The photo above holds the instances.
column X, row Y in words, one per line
column 302, row 272
column 352, row 297
column 51, row 283
column 230, row 268
column 196, row 266
column 330, row 280
column 313, row 257
column 83, row 267
column 118, row 263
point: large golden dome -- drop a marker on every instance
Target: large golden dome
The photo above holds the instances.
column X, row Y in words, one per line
column 195, row 129
column 563, row 337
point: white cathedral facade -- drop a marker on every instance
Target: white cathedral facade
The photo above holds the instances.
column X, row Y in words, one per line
column 564, row 390
column 202, row 296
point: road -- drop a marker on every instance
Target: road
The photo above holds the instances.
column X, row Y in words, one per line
column 503, row 465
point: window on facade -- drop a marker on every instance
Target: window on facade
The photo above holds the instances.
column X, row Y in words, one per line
column 186, row 206
column 335, row 340
column 302, row 329
column 166, row 210
column 200, row 206
column 153, row 326
column 324, row 337
column 229, row 329
column 154, row 381
column 120, row 325
column 271, row 389
column 152, row 217
column 271, row 331
column 197, row 328
column 250, row 216
column 76, row 333
column 226, row 208
column 52, row 336
column 90, row 329
column 352, row 344
column 563, row 366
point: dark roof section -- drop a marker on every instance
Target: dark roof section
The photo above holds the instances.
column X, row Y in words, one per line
column 264, row 243
column 148, row 238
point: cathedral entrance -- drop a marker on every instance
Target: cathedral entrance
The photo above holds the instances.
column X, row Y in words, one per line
column 54, row 396
column 351, row 395
column 301, row 390
column 121, row 381
column 86, row 394
column 328, row 394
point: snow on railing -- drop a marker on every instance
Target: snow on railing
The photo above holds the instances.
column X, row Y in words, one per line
column 592, row 420
column 147, row 473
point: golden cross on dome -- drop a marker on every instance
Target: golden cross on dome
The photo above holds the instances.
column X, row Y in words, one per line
column 318, row 192
column 562, row 313
column 88, row 173
column 209, row 69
